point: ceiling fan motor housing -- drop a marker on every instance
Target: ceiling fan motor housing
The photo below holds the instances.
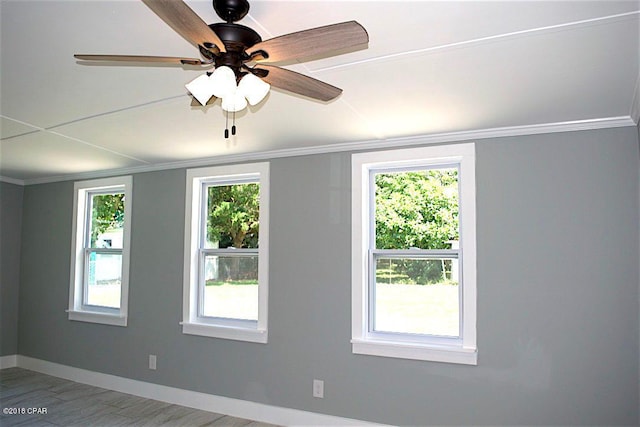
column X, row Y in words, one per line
column 237, row 39
column 236, row 36
column 231, row 10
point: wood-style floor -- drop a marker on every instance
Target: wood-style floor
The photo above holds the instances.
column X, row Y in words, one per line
column 68, row 403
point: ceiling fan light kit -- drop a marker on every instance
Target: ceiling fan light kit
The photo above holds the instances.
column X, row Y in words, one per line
column 201, row 89
column 234, row 103
column 223, row 82
column 253, row 88
column 238, row 53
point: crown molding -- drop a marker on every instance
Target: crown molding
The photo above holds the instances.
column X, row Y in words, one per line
column 571, row 126
column 11, row 180
column 635, row 103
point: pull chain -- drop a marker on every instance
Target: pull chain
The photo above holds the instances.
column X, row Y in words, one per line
column 226, row 124
column 233, row 127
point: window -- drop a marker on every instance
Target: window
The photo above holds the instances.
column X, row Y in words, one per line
column 226, row 241
column 413, row 249
column 99, row 286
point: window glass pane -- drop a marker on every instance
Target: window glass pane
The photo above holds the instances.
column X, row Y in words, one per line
column 107, row 220
column 232, row 217
column 231, row 287
column 417, row 209
column 417, row 296
column 104, row 280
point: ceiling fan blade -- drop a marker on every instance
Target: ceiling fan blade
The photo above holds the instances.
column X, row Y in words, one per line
column 313, row 42
column 137, row 58
column 299, row 83
column 187, row 23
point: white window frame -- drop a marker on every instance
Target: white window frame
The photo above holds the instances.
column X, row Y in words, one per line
column 192, row 322
column 78, row 310
column 364, row 340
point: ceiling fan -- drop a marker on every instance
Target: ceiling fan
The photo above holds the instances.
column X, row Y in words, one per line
column 228, row 45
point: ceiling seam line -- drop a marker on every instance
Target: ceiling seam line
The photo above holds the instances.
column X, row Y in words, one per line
column 270, row 35
column 262, row 27
column 376, row 133
column 106, row 113
column 475, row 41
column 6, row 138
column 48, row 130
column 37, row 128
column 76, row 140
column 97, row 146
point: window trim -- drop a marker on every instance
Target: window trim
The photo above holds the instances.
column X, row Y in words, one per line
column 192, row 323
column 78, row 310
column 458, row 350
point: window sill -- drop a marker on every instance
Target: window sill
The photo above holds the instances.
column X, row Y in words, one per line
column 415, row 351
column 226, row 332
column 96, row 317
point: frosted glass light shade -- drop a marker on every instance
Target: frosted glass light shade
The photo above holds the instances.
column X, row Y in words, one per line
column 234, row 102
column 223, row 82
column 201, row 89
column 253, row 88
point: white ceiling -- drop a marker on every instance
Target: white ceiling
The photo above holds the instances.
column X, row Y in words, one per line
column 431, row 68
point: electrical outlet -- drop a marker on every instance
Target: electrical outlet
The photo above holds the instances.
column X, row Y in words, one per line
column 152, row 361
column 318, row 389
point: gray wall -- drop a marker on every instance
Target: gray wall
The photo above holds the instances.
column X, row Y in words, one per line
column 558, row 286
column 10, row 226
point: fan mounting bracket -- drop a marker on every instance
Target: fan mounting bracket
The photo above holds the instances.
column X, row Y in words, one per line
column 231, row 10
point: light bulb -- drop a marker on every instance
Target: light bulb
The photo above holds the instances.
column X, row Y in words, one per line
column 253, row 88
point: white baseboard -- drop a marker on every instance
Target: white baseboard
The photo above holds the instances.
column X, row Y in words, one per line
column 10, row 361
column 207, row 402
